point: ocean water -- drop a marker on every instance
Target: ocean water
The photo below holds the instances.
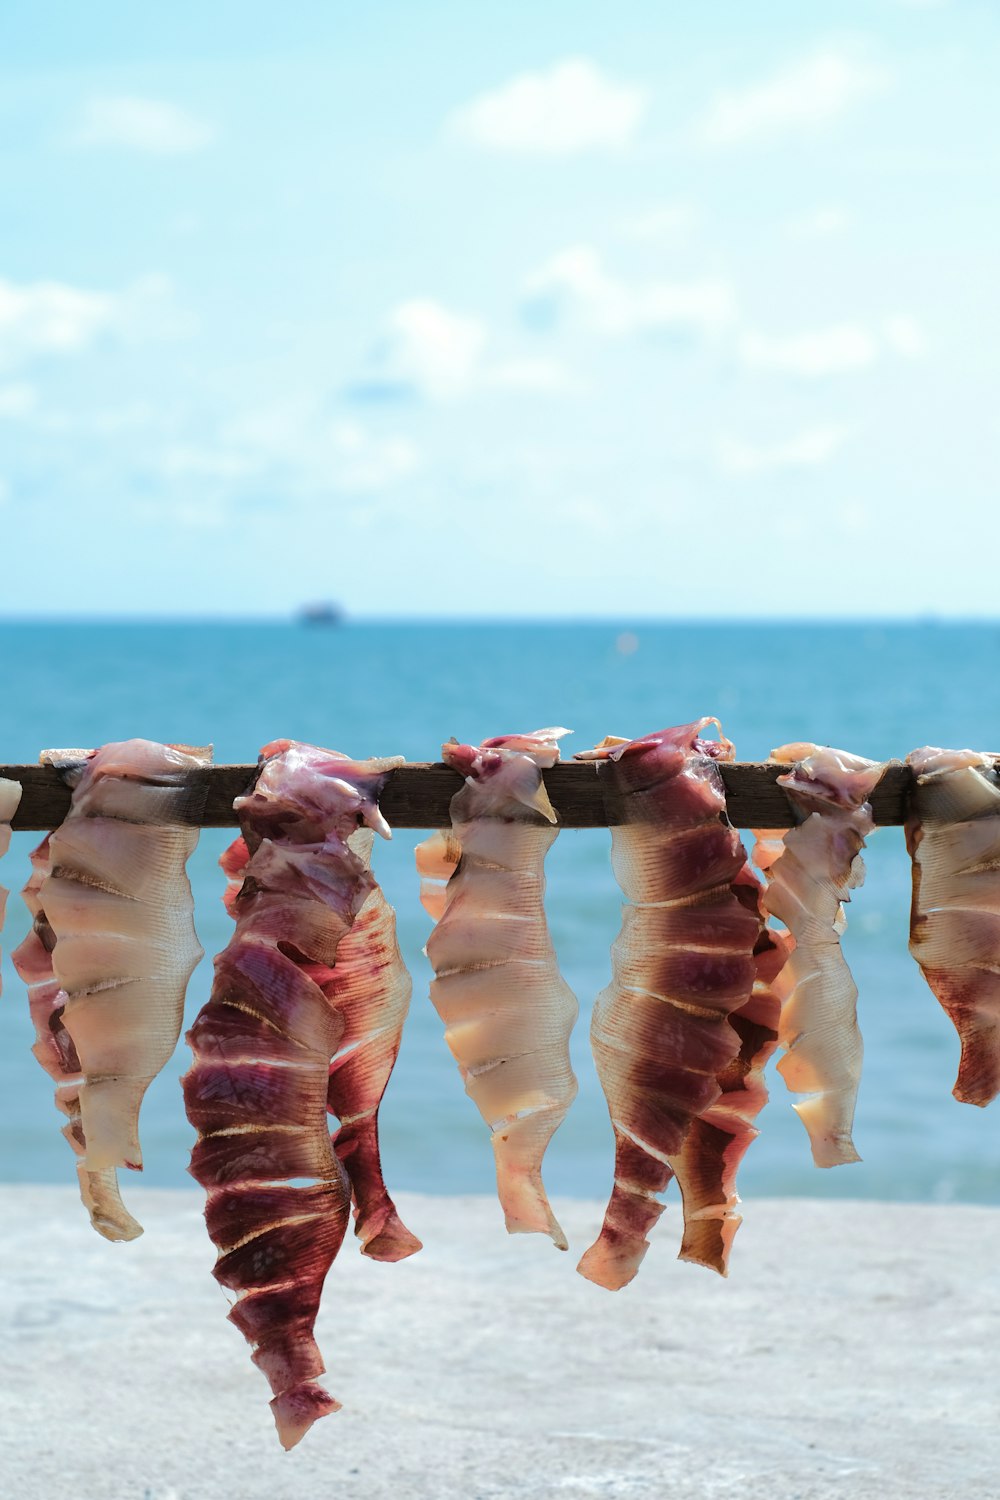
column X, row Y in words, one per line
column 386, row 689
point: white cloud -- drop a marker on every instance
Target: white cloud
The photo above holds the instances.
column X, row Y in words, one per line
column 838, row 350
column 430, row 350
column 811, row 92
column 149, row 125
column 293, row 448
column 45, row 318
column 806, row 450
column 49, row 317
column 576, row 282
column 664, row 224
column 827, row 351
column 570, row 107
column 820, row 224
column 905, row 335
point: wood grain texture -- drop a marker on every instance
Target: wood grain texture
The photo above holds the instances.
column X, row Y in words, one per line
column 417, row 795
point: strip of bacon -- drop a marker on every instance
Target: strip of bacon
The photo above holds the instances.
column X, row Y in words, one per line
column 307, row 1004
column 507, row 1011
column 953, row 838
column 112, row 948
column 682, row 963
column 810, row 873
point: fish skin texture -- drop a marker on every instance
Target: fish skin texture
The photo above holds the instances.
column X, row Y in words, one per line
column 667, row 1050
column 507, row 1011
column 112, row 948
column 304, row 1017
column 953, row 838
column 810, row 872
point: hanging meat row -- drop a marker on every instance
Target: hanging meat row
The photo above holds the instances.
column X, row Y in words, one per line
column 716, row 966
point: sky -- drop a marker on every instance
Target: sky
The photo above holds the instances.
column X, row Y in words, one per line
column 510, row 309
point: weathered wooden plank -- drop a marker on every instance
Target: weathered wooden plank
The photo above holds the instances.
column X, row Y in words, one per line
column 417, row 795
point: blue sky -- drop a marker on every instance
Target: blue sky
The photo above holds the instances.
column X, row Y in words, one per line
column 500, row 309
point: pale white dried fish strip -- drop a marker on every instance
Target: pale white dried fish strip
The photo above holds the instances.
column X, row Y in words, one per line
column 112, row 948
column 508, row 1013
column 810, row 873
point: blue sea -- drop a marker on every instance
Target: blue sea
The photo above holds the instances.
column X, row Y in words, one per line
column 878, row 689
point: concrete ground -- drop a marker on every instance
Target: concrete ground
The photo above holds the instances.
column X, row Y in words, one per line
column 854, row 1352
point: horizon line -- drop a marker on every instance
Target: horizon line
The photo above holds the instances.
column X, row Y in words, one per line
column 619, row 621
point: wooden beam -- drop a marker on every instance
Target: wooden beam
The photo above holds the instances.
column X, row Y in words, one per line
column 417, row 795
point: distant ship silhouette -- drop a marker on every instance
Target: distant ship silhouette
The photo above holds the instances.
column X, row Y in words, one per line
column 323, row 613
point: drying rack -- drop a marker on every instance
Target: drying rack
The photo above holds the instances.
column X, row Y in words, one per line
column 418, row 794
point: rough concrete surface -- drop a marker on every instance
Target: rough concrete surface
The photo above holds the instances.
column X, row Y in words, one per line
column 854, row 1352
